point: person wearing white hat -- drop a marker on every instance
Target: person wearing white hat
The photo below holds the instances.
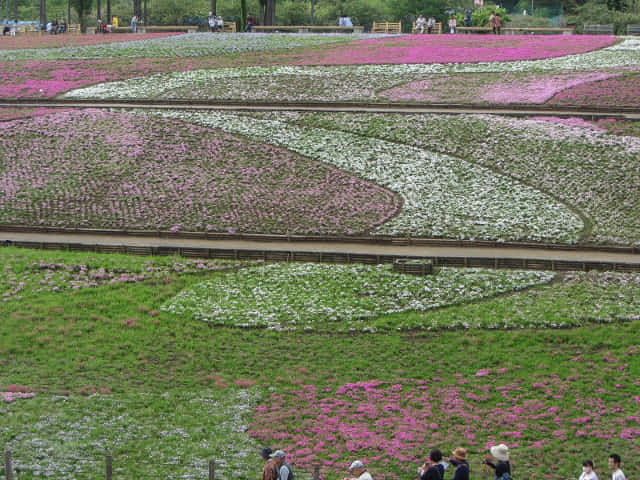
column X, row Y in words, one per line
column 502, row 468
column 358, row 471
column 283, row 468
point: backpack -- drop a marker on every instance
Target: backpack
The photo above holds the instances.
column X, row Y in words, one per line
column 291, row 474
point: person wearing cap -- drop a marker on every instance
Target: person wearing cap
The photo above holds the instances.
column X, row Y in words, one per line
column 358, row 471
column 269, row 470
column 502, row 468
column 614, row 465
column 283, row 468
column 433, row 469
column 459, row 460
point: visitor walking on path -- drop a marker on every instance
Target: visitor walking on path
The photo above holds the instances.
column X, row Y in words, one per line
column 503, row 467
column 614, row 465
column 269, row 470
column 459, row 460
column 358, row 471
column 134, row 23
column 497, row 24
column 452, row 24
column 587, row 471
column 492, row 22
column 433, row 469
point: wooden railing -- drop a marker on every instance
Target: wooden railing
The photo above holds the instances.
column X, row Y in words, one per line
column 386, row 27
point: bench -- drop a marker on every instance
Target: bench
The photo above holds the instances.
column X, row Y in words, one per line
column 437, row 28
column 539, row 30
column 474, row 29
column 307, row 28
column 386, row 27
column 633, row 29
column 598, row 29
column 228, row 27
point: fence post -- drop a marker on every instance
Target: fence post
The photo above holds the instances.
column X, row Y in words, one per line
column 316, row 473
column 109, row 463
column 7, row 465
column 212, row 469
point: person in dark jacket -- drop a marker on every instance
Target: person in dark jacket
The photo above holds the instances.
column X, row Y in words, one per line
column 459, row 461
column 502, row 468
column 432, row 468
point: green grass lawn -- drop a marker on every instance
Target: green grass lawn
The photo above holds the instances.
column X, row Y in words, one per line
column 114, row 373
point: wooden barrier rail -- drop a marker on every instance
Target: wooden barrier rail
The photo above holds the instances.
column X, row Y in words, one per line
column 335, row 257
column 307, row 28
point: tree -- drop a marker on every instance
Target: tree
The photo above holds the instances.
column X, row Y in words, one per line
column 82, row 8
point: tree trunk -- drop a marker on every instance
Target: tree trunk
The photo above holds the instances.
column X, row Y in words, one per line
column 15, row 12
column 270, row 13
column 43, row 12
column 243, row 15
column 313, row 11
column 98, row 12
column 109, row 17
column 145, row 12
column 262, row 12
column 213, row 7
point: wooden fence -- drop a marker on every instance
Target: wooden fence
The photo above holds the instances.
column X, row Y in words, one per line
column 108, row 471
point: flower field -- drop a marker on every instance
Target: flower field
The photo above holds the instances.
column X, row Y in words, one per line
column 152, row 175
column 166, row 363
column 114, row 372
column 23, row 42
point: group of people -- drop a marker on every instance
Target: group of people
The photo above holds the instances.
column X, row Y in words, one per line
column 276, row 468
column 215, row 22
column 53, row 27
column 422, row 22
column 495, row 23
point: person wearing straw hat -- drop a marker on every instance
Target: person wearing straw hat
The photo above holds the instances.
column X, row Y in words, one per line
column 459, row 460
column 502, row 468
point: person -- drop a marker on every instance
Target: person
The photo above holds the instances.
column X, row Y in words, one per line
column 63, row 26
column 49, row 27
column 269, row 470
column 459, row 460
column 587, row 471
column 614, row 465
column 433, row 469
column 452, row 24
column 5, row 27
column 492, row 22
column 282, row 467
column 250, row 22
column 219, row 23
column 341, row 20
column 358, row 471
column 421, row 23
column 467, row 18
column 134, row 23
column 347, row 21
column 103, row 27
column 54, row 26
column 14, row 28
column 498, row 24
column 431, row 23
column 211, row 20
column 503, row 467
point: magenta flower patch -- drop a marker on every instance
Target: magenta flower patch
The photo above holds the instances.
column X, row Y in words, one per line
column 617, row 91
column 95, row 169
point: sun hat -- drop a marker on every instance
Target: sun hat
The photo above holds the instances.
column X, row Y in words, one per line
column 501, row 452
column 277, row 453
column 356, row 464
column 460, row 453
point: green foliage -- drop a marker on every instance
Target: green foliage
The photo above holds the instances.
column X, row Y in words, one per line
column 408, row 10
column 597, row 12
column 293, row 12
column 82, row 8
column 480, row 16
column 529, row 21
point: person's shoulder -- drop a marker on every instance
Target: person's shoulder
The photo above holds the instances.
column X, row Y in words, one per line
column 618, row 475
column 365, row 476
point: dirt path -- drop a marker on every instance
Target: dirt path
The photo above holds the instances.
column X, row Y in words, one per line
column 501, row 257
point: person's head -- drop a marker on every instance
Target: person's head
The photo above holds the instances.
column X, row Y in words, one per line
column 435, row 455
column 278, row 457
column 265, row 453
column 614, row 461
column 357, row 468
column 587, row 466
column 500, row 452
column 459, row 454
column 421, row 15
